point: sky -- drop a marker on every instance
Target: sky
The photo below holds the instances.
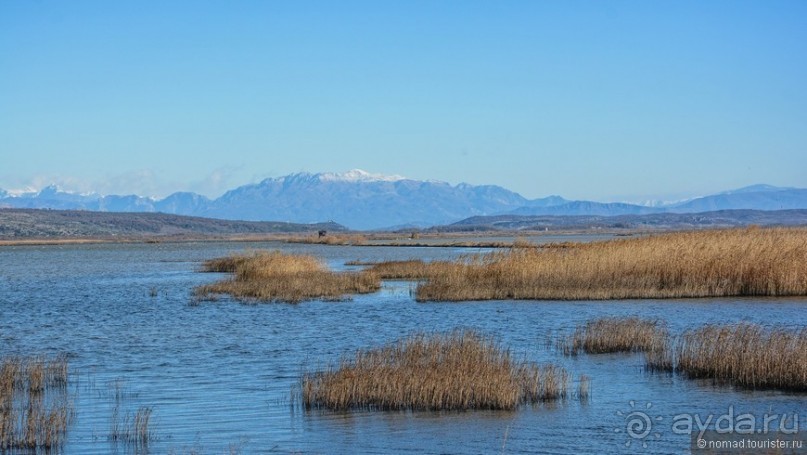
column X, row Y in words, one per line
column 599, row 100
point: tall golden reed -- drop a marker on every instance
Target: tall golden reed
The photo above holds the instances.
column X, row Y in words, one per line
column 459, row 370
column 275, row 276
column 613, row 334
column 716, row 263
column 745, row 355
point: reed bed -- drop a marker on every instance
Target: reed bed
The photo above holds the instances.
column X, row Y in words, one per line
column 275, row 276
column 35, row 410
column 745, row 355
column 610, row 334
column 460, row 370
column 731, row 262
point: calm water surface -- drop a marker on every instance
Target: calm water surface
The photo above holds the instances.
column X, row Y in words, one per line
column 220, row 375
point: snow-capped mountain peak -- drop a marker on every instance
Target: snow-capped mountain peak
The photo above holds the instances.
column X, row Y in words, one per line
column 357, row 175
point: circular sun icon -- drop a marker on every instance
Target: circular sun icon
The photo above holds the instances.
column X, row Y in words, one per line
column 638, row 424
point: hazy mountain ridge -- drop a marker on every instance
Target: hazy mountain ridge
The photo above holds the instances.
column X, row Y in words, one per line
column 572, row 208
column 39, row 223
column 363, row 204
column 721, row 218
column 771, row 198
column 361, row 200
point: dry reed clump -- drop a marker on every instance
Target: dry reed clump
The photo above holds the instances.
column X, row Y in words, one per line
column 460, row 370
column 610, row 334
column 276, row 276
column 35, row 410
column 746, row 355
column 731, row 262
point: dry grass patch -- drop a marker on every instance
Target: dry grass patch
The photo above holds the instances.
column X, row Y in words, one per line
column 35, row 410
column 746, row 355
column 460, row 370
column 733, row 262
column 608, row 335
column 276, row 276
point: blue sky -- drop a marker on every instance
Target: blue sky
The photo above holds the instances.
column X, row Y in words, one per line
column 600, row 100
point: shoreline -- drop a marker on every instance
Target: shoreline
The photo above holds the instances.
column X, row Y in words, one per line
column 377, row 239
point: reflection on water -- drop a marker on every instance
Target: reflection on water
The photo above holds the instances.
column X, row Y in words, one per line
column 219, row 375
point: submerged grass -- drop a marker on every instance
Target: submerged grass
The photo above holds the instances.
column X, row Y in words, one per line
column 134, row 429
column 460, row 370
column 611, row 334
column 35, row 410
column 732, row 262
column 276, row 276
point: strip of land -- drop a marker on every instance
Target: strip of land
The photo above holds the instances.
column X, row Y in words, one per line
column 31, row 226
column 38, row 226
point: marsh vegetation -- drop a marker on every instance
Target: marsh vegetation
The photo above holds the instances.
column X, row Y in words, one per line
column 719, row 263
column 276, row 276
column 35, row 406
column 611, row 334
column 745, row 355
column 460, row 370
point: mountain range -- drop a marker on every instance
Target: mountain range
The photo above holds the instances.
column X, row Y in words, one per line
column 360, row 200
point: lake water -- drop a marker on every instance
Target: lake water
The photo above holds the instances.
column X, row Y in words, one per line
column 219, row 375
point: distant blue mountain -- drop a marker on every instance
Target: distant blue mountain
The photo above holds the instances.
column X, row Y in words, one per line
column 183, row 203
column 549, row 201
column 758, row 197
column 587, row 208
column 361, row 200
column 356, row 199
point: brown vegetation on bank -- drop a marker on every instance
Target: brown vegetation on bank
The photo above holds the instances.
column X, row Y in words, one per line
column 330, row 239
column 432, row 241
column 34, row 407
column 275, row 276
column 735, row 262
column 460, row 370
column 607, row 335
